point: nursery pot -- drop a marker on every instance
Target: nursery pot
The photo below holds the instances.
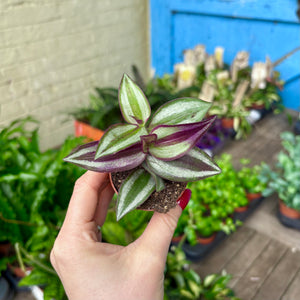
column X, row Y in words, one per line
column 253, row 196
column 161, row 201
column 227, row 123
column 177, row 239
column 287, row 211
column 84, row 129
column 205, row 240
column 18, row 271
column 241, row 209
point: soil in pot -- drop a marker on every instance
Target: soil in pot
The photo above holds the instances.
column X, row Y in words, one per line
column 161, row 201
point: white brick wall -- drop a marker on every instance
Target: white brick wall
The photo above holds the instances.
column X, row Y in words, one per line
column 54, row 52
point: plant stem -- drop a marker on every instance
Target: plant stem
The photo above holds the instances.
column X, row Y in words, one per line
column 36, row 262
column 18, row 222
column 19, row 257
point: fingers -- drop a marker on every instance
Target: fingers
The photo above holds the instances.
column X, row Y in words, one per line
column 86, row 195
column 159, row 232
column 103, row 205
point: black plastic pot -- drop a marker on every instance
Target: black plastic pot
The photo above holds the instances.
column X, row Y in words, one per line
column 6, row 292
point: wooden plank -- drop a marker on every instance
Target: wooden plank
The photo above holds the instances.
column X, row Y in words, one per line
column 242, row 261
column 250, row 282
column 275, row 285
column 293, row 291
column 269, row 225
column 217, row 259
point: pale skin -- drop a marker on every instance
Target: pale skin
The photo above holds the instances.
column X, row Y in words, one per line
column 91, row 269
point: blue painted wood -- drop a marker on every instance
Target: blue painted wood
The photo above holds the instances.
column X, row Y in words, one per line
column 261, row 27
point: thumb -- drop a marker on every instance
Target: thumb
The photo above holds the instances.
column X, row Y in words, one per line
column 159, row 232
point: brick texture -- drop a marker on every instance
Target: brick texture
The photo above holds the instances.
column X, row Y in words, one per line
column 54, row 52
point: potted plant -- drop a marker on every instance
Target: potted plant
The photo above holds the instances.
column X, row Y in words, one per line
column 212, row 206
column 102, row 112
column 34, row 190
column 182, row 282
column 285, row 178
column 149, row 158
column 249, row 179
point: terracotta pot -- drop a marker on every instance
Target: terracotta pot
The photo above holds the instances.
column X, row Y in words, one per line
column 177, row 239
column 17, row 271
column 227, row 123
column 206, row 240
column 253, row 196
column 241, row 209
column 288, row 212
column 84, row 129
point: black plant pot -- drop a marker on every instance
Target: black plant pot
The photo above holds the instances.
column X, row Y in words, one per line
column 6, row 292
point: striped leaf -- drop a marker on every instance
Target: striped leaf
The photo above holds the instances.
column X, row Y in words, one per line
column 134, row 191
column 180, row 111
column 84, row 156
column 159, row 182
column 134, row 105
column 174, row 141
column 119, row 137
column 193, row 166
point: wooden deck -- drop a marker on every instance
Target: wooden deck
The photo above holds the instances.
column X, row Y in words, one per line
column 263, row 256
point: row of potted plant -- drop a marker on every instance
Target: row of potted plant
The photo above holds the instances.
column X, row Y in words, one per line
column 216, row 200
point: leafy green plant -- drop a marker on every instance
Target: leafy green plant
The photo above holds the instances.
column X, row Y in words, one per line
column 249, row 178
column 163, row 148
column 102, row 111
column 35, row 188
column 181, row 282
column 127, row 229
column 224, row 104
column 213, row 203
column 285, row 178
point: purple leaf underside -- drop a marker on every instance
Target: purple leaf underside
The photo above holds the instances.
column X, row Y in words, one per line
column 174, row 141
column 127, row 159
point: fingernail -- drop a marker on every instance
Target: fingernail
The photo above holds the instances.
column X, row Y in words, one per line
column 184, row 199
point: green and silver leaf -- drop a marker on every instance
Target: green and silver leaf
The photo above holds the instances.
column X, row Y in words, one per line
column 193, row 166
column 180, row 111
column 159, row 182
column 134, row 105
column 134, row 191
column 119, row 137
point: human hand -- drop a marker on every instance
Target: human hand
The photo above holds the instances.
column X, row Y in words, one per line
column 91, row 269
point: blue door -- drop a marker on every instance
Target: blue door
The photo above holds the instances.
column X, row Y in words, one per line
column 262, row 27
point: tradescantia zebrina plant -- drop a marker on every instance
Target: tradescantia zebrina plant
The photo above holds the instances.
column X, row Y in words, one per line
column 157, row 151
